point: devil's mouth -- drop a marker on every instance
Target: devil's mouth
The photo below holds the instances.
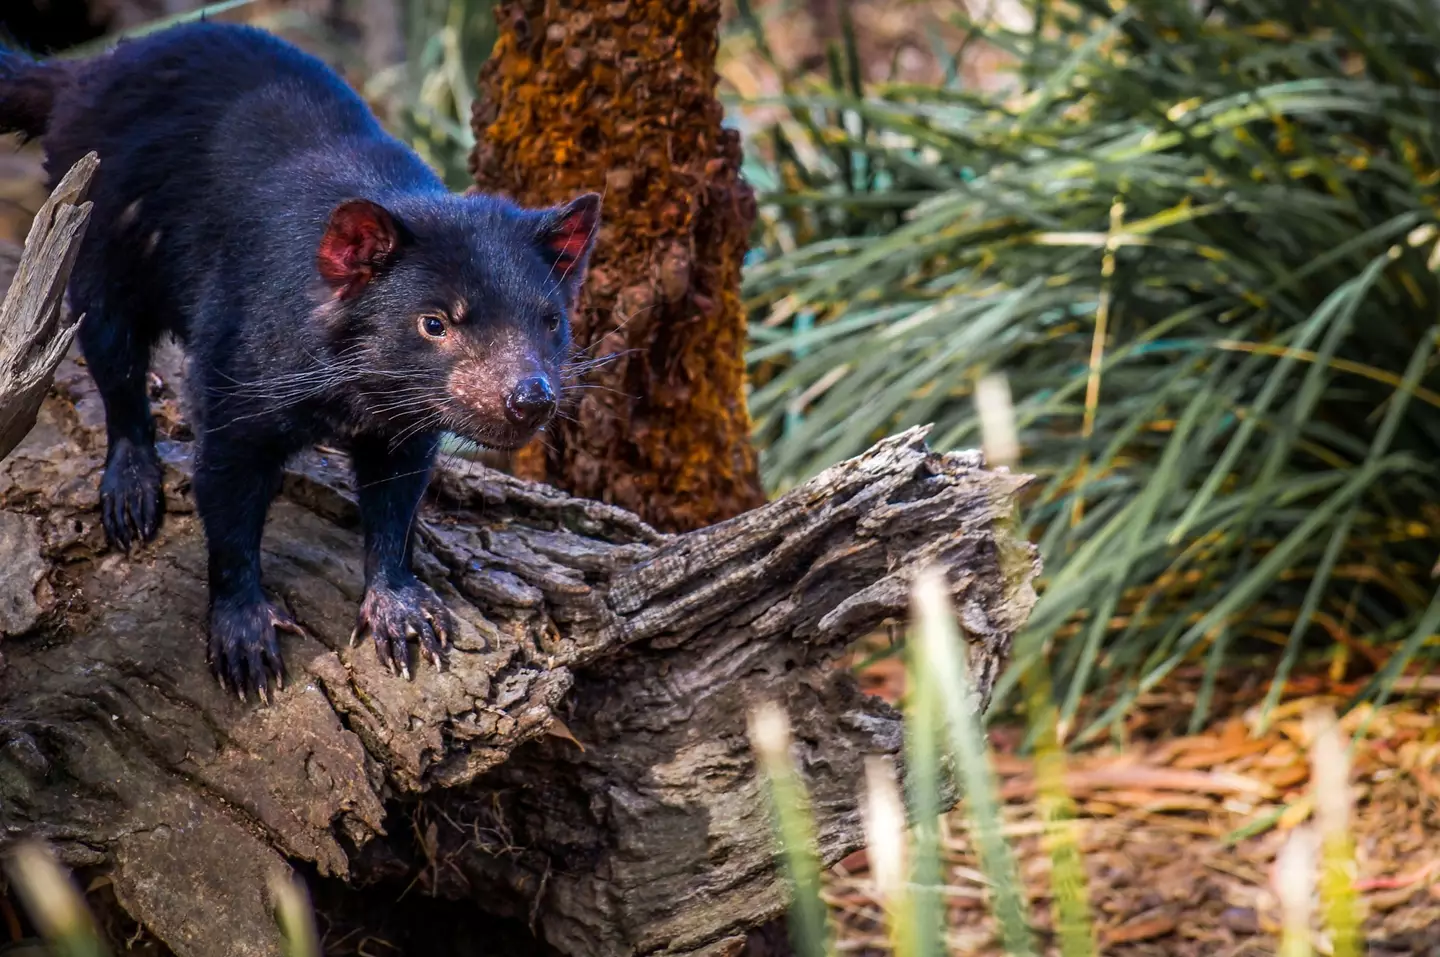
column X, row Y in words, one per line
column 508, row 440
column 493, row 445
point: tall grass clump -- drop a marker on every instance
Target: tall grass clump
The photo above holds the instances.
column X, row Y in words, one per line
column 1200, row 241
column 947, row 752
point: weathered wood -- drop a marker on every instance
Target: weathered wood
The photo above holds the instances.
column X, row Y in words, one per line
column 35, row 333
column 648, row 837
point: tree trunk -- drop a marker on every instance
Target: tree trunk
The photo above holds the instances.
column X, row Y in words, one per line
column 620, row 98
column 580, row 764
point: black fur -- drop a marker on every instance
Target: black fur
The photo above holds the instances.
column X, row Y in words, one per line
column 224, row 214
column 27, row 92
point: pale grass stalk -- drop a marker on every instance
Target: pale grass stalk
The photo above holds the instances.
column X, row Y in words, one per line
column 1294, row 882
column 943, row 654
column 53, row 902
column 770, row 737
column 883, row 814
column 1097, row 350
column 1072, row 917
column 924, row 771
column 997, row 421
column 1057, row 810
column 295, row 917
column 1334, row 801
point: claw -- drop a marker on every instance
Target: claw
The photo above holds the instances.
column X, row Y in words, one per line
column 244, row 650
column 132, row 516
column 114, row 526
column 396, row 616
column 442, row 634
column 131, row 495
column 147, row 517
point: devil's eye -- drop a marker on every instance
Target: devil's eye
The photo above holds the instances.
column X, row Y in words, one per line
column 553, row 320
column 432, row 327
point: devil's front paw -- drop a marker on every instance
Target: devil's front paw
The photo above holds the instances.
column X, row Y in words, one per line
column 131, row 495
column 244, row 647
column 394, row 614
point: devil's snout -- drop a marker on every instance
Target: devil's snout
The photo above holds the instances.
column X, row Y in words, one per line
column 531, row 403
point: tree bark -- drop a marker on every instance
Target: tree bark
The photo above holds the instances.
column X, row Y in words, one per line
column 580, row 764
column 620, row 98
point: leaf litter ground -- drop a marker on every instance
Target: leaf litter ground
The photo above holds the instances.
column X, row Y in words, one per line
column 1163, row 820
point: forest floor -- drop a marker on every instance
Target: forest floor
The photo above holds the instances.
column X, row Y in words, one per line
column 1162, row 820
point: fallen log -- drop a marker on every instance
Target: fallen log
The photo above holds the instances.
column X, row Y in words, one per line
column 581, row 763
column 35, row 331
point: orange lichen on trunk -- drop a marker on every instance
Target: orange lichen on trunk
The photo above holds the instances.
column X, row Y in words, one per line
column 620, row 98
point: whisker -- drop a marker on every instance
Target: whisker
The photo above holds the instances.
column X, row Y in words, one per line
column 389, row 404
column 393, row 478
column 589, row 365
column 436, row 418
column 566, row 390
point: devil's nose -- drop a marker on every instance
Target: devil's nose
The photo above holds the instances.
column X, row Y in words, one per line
column 532, row 403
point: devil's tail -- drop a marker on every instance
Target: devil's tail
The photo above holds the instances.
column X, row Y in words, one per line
column 28, row 89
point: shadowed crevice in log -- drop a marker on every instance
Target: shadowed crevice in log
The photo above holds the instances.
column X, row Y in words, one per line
column 649, row 837
column 659, row 828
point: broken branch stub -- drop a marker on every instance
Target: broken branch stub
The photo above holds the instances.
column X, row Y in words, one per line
column 35, row 331
column 581, row 764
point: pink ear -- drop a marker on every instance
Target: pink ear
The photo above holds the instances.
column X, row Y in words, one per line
column 360, row 237
column 570, row 231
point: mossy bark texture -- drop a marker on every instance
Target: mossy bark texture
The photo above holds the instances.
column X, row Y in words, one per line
column 620, row 98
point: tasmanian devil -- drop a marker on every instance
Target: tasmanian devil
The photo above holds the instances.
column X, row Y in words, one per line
column 326, row 286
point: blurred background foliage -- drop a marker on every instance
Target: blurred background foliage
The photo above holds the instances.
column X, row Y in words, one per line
column 430, row 93
column 1198, row 240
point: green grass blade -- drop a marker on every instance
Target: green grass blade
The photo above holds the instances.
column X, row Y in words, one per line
column 809, row 918
column 943, row 653
column 924, row 737
column 53, row 902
